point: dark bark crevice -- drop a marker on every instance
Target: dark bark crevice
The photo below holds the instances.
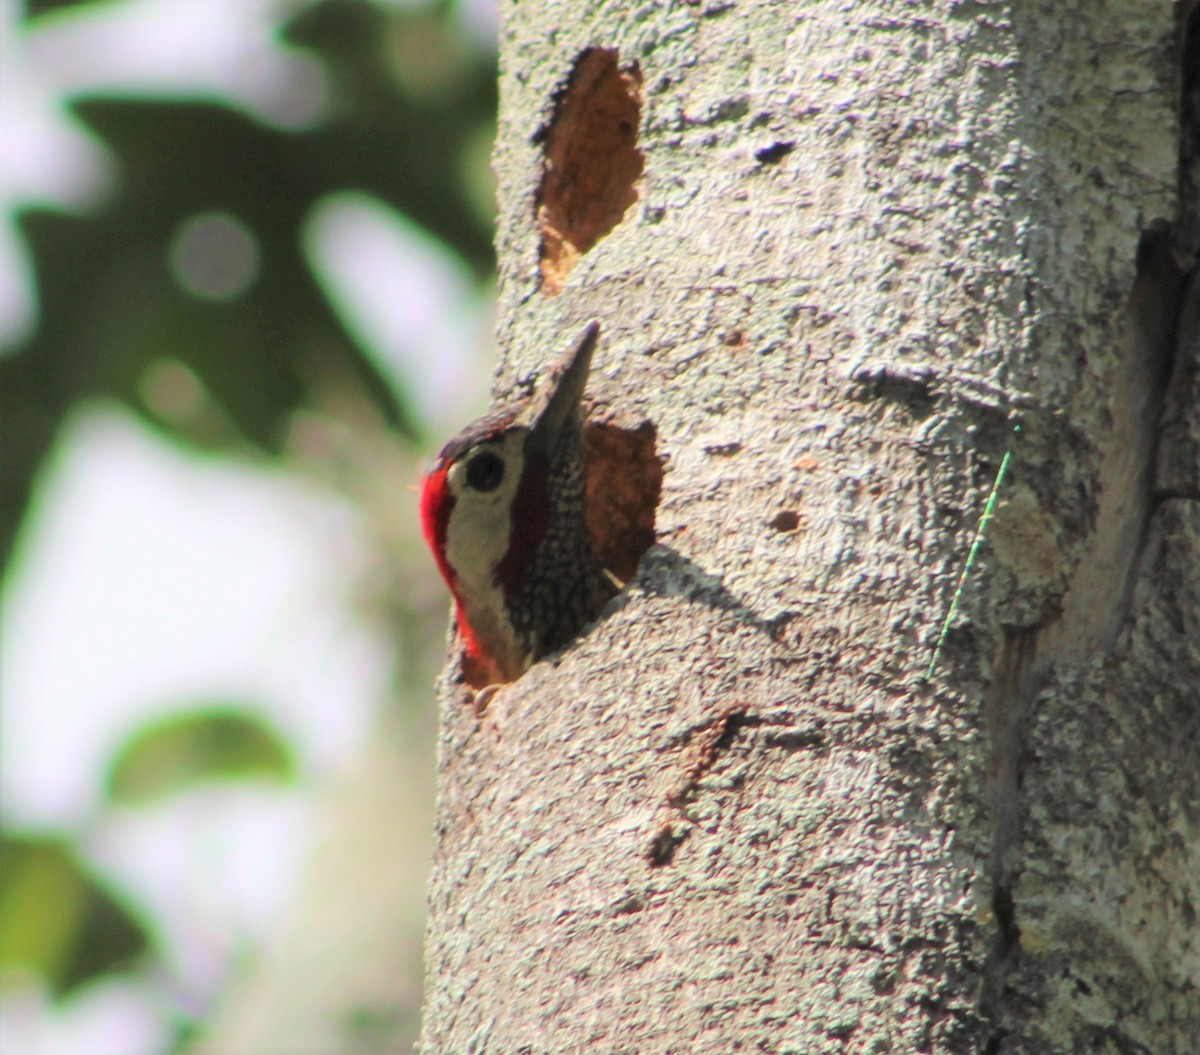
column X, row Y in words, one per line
column 1007, row 702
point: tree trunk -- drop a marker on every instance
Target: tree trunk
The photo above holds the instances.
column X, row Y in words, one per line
column 846, row 257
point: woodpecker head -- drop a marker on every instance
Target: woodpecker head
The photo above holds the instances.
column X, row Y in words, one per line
column 503, row 511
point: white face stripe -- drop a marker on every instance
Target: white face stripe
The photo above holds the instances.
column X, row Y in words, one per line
column 477, row 538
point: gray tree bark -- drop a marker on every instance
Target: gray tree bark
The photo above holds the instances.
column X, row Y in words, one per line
column 840, row 253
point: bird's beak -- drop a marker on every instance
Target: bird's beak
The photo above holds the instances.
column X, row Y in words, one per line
column 558, row 399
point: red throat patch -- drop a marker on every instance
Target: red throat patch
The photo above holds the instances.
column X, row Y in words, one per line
column 437, row 503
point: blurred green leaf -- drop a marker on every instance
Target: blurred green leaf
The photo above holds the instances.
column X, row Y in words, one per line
column 212, row 743
column 36, row 8
column 114, row 318
column 56, row 921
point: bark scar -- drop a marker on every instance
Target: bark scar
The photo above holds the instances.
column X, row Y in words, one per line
column 1097, row 602
column 700, row 753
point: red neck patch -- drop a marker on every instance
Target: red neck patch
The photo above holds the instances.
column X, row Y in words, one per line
column 437, row 503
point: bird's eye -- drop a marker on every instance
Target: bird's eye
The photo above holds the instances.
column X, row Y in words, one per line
column 485, row 471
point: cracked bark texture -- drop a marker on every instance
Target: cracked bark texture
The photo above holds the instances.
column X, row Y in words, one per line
column 869, row 240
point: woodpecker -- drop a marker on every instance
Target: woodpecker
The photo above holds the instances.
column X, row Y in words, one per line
column 504, row 512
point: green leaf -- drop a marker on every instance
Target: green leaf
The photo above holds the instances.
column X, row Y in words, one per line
column 41, row 8
column 218, row 742
column 56, row 921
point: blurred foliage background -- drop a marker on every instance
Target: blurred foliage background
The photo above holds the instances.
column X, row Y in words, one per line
column 245, row 277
